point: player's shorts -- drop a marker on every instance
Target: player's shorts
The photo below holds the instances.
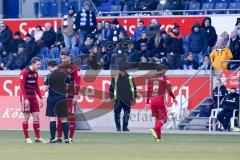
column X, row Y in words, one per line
column 160, row 114
column 158, row 109
column 33, row 106
column 52, row 104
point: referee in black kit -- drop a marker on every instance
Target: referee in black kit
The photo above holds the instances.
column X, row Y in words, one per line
column 56, row 83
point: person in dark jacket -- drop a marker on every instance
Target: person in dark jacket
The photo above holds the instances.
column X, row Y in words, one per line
column 5, row 59
column 234, row 46
column 210, row 34
column 157, row 45
column 123, row 91
column 16, row 41
column 142, row 39
column 107, row 32
column 153, row 27
column 49, row 36
column 139, row 30
column 6, row 36
column 85, row 22
column 222, row 93
column 174, row 47
column 88, row 44
column 197, row 42
column 133, row 54
column 20, row 59
column 106, row 58
column 229, row 104
column 190, row 63
column 30, row 47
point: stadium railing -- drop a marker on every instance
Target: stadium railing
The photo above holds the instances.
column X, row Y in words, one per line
column 164, row 12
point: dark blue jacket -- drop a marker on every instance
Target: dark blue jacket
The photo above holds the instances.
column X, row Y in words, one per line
column 197, row 41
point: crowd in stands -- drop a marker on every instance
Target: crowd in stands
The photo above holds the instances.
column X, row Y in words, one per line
column 103, row 45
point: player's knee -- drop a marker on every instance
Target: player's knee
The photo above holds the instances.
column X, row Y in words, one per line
column 52, row 119
column 36, row 117
column 64, row 120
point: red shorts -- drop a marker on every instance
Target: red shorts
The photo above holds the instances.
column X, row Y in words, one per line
column 159, row 113
column 33, row 106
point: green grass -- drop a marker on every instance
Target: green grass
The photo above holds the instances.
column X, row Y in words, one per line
column 119, row 146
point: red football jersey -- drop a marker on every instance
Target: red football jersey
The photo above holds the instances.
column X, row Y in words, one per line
column 29, row 84
column 74, row 74
column 157, row 86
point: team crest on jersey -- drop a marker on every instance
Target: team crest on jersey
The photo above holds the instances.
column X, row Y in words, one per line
column 78, row 73
column 21, row 76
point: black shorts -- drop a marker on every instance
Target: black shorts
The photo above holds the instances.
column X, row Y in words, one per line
column 56, row 102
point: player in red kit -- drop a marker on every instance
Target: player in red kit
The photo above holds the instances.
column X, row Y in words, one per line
column 73, row 72
column 156, row 89
column 30, row 106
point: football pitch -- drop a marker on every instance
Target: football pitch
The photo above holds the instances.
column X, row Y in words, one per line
column 122, row 146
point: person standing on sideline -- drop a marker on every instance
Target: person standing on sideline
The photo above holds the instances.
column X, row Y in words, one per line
column 123, row 92
column 86, row 21
column 69, row 27
column 156, row 88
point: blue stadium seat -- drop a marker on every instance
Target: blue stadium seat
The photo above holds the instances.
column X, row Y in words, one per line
column 58, row 60
column 36, row 9
column 54, row 9
column 104, row 8
column 193, row 6
column 210, row 1
column 75, row 51
column 224, row 1
column 207, row 6
column 65, row 6
column 50, row 56
column 55, row 52
column 42, row 67
column 44, row 51
column 220, row 5
column 45, row 8
column 234, row 5
column 72, row 56
column 74, row 3
column 235, row 0
column 45, row 62
column 40, row 56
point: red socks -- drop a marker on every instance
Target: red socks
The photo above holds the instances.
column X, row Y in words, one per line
column 25, row 129
column 72, row 125
column 59, row 129
column 36, row 128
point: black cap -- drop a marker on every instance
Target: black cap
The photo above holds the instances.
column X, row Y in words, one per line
column 17, row 33
column 28, row 35
column 115, row 21
column 71, row 8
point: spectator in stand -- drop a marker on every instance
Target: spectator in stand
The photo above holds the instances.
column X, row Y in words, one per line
column 6, row 37
column 106, row 58
column 145, row 53
column 143, row 39
column 69, row 28
column 98, row 29
column 115, row 31
column 49, row 36
column 20, row 59
column 219, row 54
column 150, row 5
column 229, row 104
column 15, row 42
column 123, row 36
column 107, row 31
column 5, row 59
column 139, row 30
column 153, row 27
column 93, row 61
column 88, row 44
column 38, row 33
column 60, row 42
column 197, row 43
column 30, row 47
column 157, row 46
column 133, row 54
column 210, row 33
column 224, row 37
column 174, row 47
column 164, row 35
column 234, row 46
column 99, row 41
column 206, row 65
column 85, row 22
column 189, row 63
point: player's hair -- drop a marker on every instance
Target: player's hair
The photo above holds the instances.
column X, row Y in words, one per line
column 161, row 67
column 52, row 63
column 64, row 52
column 35, row 59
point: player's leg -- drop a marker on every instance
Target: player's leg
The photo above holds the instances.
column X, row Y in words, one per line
column 220, row 117
column 71, row 118
column 117, row 112
column 65, row 127
column 36, row 128
column 59, row 130
column 25, row 127
column 161, row 119
column 126, row 109
column 228, row 116
column 53, row 129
